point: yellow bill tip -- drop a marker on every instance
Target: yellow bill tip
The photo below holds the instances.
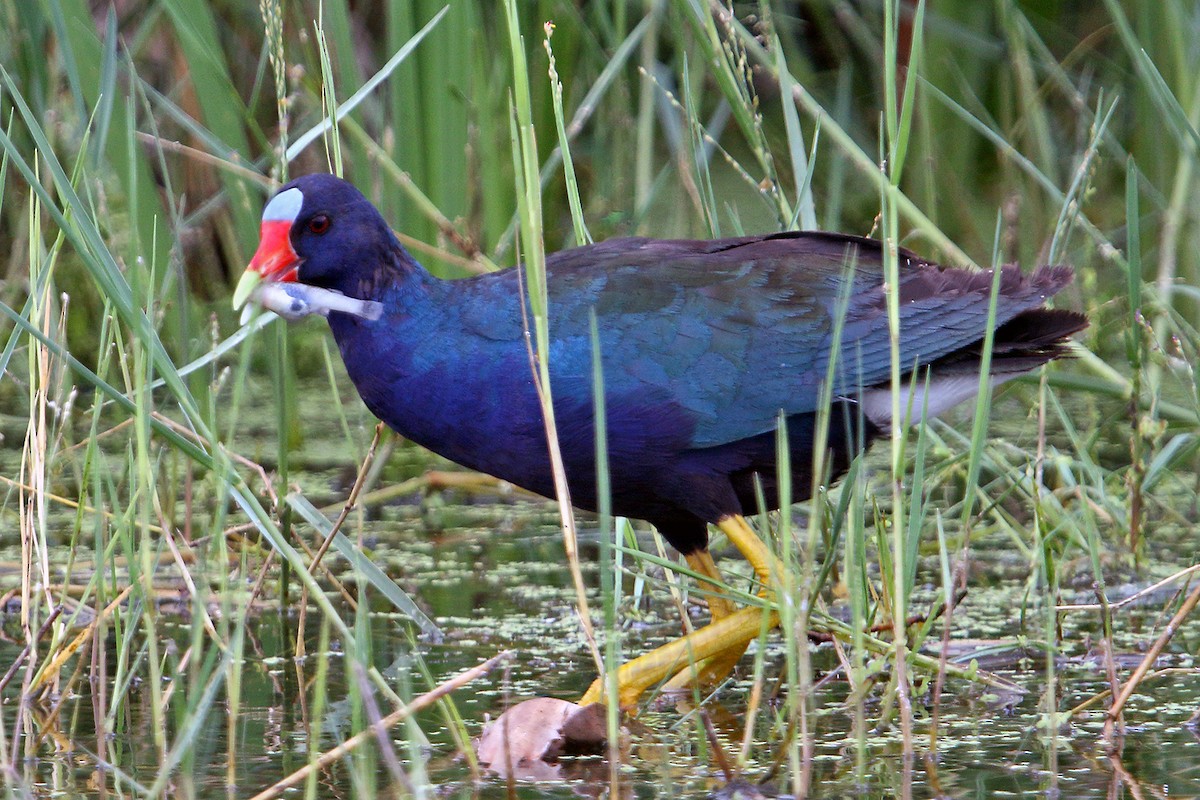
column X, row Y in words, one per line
column 246, row 286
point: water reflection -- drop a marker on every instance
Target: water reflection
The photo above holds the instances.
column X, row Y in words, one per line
column 489, row 570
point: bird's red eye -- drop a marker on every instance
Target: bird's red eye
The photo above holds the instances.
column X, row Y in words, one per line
column 319, row 224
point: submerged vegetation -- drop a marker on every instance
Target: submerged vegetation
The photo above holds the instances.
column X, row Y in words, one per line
column 211, row 545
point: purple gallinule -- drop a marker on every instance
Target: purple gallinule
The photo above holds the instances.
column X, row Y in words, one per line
column 703, row 343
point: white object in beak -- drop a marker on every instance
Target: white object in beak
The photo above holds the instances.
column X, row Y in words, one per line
column 294, row 301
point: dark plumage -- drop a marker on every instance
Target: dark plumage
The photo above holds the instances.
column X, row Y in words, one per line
column 703, row 343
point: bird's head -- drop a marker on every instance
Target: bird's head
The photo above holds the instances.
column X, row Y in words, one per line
column 321, row 231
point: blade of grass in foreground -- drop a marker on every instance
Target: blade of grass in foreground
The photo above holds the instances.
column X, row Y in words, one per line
column 533, row 247
column 610, row 575
column 377, row 578
column 894, row 590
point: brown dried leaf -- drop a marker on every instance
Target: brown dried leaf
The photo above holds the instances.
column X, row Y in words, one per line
column 528, row 738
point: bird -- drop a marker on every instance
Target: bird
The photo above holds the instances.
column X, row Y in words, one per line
column 705, row 346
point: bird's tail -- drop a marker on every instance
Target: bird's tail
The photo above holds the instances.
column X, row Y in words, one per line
column 1024, row 343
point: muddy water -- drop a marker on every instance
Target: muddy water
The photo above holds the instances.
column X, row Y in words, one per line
column 488, row 567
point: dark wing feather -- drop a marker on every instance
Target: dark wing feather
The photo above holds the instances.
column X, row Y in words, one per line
column 732, row 331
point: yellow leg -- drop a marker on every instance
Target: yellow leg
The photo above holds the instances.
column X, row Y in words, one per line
column 713, row 670
column 702, row 562
column 709, row 654
column 752, row 548
column 635, row 677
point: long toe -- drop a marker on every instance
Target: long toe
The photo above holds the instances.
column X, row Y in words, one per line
column 720, row 640
column 707, row 674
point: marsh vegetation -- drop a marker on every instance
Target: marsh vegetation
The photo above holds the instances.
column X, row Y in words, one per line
column 168, row 474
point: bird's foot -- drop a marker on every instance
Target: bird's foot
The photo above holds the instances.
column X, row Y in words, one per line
column 717, row 641
column 707, row 656
column 766, row 565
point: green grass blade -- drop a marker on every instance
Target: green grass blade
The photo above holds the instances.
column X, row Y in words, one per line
column 371, row 573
